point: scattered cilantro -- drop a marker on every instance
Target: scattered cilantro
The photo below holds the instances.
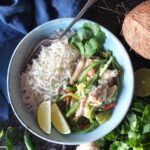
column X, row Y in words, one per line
column 89, row 39
column 134, row 132
column 12, row 136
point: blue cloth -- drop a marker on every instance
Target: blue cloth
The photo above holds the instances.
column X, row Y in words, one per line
column 17, row 18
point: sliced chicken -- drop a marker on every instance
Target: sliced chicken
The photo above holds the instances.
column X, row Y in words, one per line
column 109, row 74
column 72, row 102
column 78, row 70
column 98, row 95
column 80, row 110
column 87, row 62
column 111, row 92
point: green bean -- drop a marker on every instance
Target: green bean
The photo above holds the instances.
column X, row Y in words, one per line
column 67, row 105
column 115, row 65
column 76, row 97
column 83, row 75
column 73, row 109
column 105, row 66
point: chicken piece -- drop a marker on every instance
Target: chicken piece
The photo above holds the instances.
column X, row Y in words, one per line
column 109, row 74
column 98, row 95
column 72, row 102
column 111, row 92
column 87, row 62
column 80, row 110
column 78, row 70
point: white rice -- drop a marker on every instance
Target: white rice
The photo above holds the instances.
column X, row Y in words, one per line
column 48, row 72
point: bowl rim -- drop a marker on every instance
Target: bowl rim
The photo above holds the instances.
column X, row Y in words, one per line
column 8, row 77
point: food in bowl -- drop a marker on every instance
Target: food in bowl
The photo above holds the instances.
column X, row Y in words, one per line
column 78, row 76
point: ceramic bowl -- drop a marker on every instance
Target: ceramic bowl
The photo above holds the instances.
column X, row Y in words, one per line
column 28, row 120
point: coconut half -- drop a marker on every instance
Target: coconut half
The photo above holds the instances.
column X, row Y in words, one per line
column 136, row 29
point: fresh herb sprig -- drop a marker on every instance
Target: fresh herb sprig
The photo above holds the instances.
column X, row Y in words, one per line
column 134, row 132
column 89, row 39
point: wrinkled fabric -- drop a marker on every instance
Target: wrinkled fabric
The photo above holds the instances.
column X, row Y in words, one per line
column 17, row 18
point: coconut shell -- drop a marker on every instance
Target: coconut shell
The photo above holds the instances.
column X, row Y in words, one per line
column 136, row 29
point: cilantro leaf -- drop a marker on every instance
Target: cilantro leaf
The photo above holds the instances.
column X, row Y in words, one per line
column 75, row 40
column 89, row 39
column 117, row 145
column 132, row 142
column 138, row 107
column 84, row 34
column 146, row 128
column 132, row 118
column 146, row 114
column 12, row 136
column 94, row 27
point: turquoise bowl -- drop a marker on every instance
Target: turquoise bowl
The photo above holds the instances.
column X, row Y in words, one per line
column 28, row 120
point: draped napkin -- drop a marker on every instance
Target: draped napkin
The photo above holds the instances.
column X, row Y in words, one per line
column 17, row 18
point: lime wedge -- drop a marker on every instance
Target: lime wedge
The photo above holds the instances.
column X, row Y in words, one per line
column 44, row 116
column 103, row 117
column 142, row 82
column 59, row 121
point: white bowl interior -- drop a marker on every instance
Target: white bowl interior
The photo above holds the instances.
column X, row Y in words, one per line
column 28, row 119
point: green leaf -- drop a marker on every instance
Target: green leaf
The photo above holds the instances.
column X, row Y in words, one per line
column 146, row 114
column 12, row 136
column 84, row 34
column 117, row 145
column 132, row 142
column 94, row 27
column 103, row 117
column 100, row 37
column 27, row 140
column 101, row 142
column 91, row 47
column 78, row 43
column 9, row 145
column 125, row 128
column 94, row 43
column 146, row 128
column 1, row 134
column 113, row 146
column 138, row 107
column 133, row 134
column 138, row 148
column 132, row 118
column 112, row 136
